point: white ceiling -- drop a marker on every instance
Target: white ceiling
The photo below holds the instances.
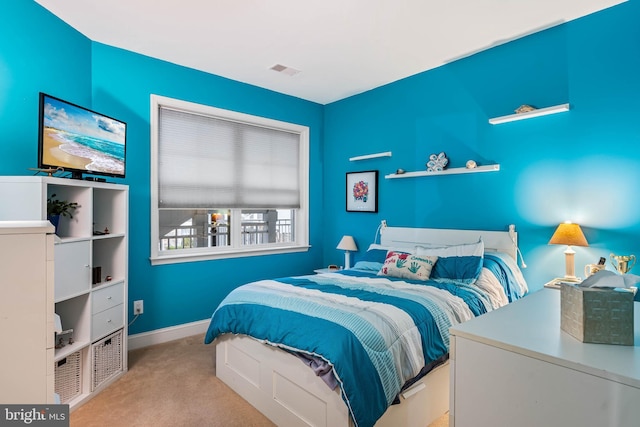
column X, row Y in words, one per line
column 341, row 47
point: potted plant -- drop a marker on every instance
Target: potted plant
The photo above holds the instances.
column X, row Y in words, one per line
column 57, row 208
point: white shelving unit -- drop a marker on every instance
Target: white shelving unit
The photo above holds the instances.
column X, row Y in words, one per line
column 450, row 171
column 94, row 308
column 530, row 114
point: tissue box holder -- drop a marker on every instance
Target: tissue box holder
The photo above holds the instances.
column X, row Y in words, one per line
column 596, row 315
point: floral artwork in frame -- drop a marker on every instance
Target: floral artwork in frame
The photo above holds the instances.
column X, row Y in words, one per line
column 362, row 191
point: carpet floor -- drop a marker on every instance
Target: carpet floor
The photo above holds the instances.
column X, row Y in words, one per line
column 173, row 384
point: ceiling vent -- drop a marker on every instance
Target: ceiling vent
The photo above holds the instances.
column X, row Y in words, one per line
column 285, row 70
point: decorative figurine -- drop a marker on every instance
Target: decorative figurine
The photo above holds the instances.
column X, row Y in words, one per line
column 101, row 233
column 437, row 162
column 525, row 109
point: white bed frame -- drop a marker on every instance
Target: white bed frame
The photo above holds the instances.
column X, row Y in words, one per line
column 287, row 391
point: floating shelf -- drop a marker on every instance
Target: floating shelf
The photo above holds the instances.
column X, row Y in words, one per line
column 370, row 156
column 451, row 171
column 530, row 114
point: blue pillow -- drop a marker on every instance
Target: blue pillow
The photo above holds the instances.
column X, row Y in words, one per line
column 368, row 266
column 456, row 263
column 374, row 255
column 371, row 260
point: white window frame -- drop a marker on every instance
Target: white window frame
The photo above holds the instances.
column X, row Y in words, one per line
column 301, row 243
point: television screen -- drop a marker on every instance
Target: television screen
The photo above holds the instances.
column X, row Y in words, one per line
column 79, row 140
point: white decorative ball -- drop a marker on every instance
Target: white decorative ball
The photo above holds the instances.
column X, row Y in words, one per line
column 471, row 164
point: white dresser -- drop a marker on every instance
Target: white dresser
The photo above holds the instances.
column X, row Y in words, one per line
column 26, row 312
column 516, row 367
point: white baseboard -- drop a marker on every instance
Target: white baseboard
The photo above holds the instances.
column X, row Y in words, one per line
column 163, row 335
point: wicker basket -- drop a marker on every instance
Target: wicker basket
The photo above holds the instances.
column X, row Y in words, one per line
column 68, row 377
column 106, row 356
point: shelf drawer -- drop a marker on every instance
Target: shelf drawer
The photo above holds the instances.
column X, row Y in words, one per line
column 107, row 321
column 110, row 296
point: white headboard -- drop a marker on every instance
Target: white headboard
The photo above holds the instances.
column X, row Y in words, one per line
column 404, row 237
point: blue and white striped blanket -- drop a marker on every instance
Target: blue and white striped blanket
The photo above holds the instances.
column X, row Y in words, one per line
column 376, row 332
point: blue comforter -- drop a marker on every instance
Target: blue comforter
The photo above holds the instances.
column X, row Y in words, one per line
column 378, row 333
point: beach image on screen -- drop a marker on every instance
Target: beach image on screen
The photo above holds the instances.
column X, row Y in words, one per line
column 76, row 138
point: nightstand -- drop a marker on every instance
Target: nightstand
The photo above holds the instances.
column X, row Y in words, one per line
column 555, row 283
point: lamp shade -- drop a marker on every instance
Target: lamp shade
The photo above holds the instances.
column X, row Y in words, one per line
column 347, row 244
column 568, row 234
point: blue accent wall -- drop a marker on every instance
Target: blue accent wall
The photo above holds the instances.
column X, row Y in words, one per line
column 181, row 293
column 38, row 53
column 583, row 165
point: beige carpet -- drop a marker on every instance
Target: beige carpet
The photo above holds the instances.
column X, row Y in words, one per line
column 173, row 384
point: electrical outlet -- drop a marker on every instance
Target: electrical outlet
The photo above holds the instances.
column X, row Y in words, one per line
column 383, row 223
column 138, row 307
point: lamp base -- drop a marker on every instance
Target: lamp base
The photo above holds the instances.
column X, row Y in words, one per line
column 347, row 260
column 570, row 265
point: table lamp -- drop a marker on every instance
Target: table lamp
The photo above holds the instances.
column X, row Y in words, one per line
column 347, row 244
column 571, row 235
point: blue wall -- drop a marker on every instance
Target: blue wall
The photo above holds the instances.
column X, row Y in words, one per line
column 582, row 165
column 180, row 293
column 38, row 53
column 41, row 53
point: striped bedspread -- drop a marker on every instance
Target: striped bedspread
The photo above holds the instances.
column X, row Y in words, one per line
column 376, row 332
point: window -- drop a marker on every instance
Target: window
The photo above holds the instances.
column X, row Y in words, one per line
column 225, row 184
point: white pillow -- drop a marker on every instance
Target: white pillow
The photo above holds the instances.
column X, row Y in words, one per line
column 410, row 249
column 464, row 249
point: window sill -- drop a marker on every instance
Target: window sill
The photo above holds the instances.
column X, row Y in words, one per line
column 175, row 258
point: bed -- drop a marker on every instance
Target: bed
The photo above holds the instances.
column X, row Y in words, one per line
column 369, row 345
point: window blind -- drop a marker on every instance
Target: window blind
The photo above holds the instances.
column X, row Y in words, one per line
column 207, row 162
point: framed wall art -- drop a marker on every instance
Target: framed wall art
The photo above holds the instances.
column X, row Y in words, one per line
column 362, row 191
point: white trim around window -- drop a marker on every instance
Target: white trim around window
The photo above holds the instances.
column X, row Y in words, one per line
column 233, row 249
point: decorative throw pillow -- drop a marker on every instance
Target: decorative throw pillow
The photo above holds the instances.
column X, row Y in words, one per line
column 407, row 266
column 456, row 263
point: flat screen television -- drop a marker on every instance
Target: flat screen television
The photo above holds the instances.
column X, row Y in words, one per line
column 80, row 141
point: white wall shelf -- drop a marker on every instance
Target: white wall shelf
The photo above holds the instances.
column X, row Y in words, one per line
column 530, row 114
column 370, row 156
column 450, row 171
